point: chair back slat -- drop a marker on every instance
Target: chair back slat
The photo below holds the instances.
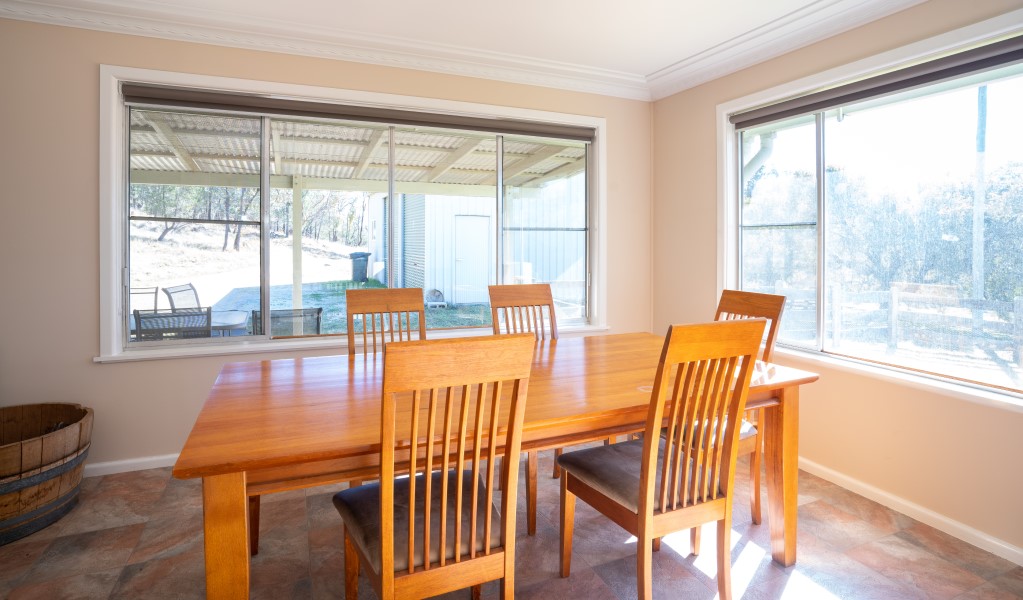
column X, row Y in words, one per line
column 446, row 402
column 384, row 315
column 738, row 304
column 699, row 393
column 524, row 308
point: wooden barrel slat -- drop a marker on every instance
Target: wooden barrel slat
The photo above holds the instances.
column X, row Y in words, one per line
column 41, row 462
column 10, row 461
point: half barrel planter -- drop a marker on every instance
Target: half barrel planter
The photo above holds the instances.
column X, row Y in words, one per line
column 42, row 454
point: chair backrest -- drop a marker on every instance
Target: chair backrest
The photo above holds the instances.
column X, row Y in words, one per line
column 385, row 315
column 702, row 382
column 286, row 322
column 143, row 298
column 737, row 304
column 182, row 296
column 522, row 308
column 453, row 406
column 181, row 323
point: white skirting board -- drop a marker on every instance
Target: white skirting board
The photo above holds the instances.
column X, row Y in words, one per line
column 133, row 464
column 938, row 521
column 924, row 515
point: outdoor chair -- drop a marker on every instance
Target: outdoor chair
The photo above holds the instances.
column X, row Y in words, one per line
column 286, row 322
column 183, row 323
column 144, row 297
column 660, row 484
column 384, row 315
column 182, row 296
column 448, row 408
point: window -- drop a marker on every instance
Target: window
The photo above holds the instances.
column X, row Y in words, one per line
column 250, row 222
column 891, row 221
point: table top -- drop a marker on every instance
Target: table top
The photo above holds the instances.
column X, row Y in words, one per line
column 274, row 413
column 229, row 319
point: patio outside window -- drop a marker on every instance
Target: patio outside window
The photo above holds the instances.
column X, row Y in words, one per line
column 199, row 218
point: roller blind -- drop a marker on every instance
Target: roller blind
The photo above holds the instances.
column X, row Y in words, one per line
column 991, row 56
column 180, row 97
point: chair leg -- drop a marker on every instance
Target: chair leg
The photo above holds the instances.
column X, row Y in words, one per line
column 657, row 544
column 567, row 526
column 754, row 472
column 253, row 525
column 477, row 592
column 644, row 569
column 694, row 540
column 556, row 471
column 351, row 569
column 531, row 492
column 725, row 558
column 500, row 470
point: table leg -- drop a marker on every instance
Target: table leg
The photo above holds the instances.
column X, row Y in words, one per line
column 781, row 457
column 226, row 532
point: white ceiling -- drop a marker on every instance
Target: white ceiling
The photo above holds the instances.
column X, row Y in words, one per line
column 639, row 49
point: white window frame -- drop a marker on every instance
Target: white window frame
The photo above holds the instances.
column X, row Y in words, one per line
column 113, row 216
column 728, row 187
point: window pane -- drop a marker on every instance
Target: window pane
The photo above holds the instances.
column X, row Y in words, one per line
column 446, row 222
column 326, row 219
column 545, row 220
column 193, row 222
column 778, row 218
column 924, row 263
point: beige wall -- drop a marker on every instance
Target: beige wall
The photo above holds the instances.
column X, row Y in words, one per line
column 938, row 452
column 49, row 246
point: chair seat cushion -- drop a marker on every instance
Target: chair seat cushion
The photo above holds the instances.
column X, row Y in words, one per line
column 612, row 470
column 359, row 508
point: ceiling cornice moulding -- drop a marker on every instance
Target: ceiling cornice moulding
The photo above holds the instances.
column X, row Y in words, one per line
column 798, row 29
column 818, row 21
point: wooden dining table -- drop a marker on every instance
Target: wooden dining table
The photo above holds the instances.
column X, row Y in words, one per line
column 277, row 425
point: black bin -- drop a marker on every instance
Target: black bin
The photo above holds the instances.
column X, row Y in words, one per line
column 359, row 262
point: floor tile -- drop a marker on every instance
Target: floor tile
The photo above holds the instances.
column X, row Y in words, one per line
column 179, row 577
column 88, row 552
column 915, row 567
column 973, row 559
column 83, row 586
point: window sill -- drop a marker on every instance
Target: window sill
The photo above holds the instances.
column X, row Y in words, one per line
column 989, row 397
column 337, row 343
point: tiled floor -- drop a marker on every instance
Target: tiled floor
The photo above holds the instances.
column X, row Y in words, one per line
column 139, row 535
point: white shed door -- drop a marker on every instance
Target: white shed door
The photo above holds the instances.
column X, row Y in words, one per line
column 472, row 259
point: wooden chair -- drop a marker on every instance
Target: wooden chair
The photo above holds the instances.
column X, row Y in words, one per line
column 385, row 316
column 660, row 484
column 445, row 416
column 736, row 304
column 526, row 308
